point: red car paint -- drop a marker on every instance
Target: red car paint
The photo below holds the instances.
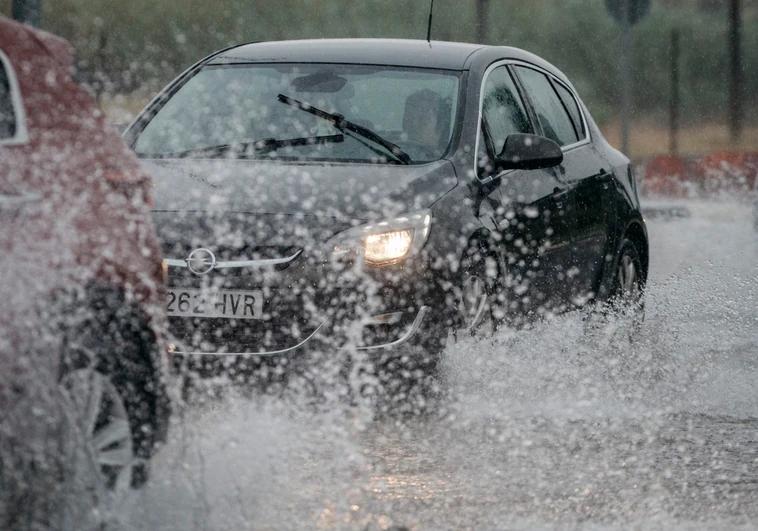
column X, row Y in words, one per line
column 74, row 200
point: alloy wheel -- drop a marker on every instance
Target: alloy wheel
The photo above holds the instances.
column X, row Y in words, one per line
column 105, row 424
column 473, row 302
column 628, row 282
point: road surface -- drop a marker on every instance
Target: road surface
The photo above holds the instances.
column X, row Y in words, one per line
column 546, row 429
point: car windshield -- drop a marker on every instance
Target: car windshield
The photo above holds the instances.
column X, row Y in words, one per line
column 385, row 114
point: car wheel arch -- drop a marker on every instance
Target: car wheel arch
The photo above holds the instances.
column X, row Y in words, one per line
column 97, row 312
column 488, row 242
column 635, row 232
column 637, row 235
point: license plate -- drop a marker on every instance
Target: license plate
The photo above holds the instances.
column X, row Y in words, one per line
column 231, row 304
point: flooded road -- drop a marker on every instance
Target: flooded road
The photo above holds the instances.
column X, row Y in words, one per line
column 552, row 428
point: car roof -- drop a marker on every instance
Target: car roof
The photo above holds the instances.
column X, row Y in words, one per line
column 397, row 52
column 59, row 48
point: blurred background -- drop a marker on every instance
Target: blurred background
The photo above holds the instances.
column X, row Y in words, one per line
column 129, row 49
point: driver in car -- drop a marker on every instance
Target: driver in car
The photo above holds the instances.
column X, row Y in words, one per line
column 421, row 119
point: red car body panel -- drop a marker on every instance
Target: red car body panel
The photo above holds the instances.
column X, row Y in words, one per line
column 89, row 217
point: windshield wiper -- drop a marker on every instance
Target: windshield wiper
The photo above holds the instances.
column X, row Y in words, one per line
column 344, row 125
column 265, row 145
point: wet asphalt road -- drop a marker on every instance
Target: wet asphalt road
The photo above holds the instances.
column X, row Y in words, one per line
column 546, row 429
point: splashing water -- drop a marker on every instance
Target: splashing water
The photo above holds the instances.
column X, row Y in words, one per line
column 559, row 426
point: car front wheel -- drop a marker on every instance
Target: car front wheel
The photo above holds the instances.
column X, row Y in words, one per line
column 478, row 294
column 628, row 281
column 101, row 414
column 624, row 310
column 113, row 383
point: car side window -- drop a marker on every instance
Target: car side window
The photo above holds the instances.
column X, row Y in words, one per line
column 555, row 119
column 502, row 109
column 7, row 113
column 573, row 108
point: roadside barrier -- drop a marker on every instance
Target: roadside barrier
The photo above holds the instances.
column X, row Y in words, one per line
column 726, row 174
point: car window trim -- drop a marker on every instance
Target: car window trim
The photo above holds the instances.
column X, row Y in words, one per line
column 516, row 62
column 527, row 101
column 480, row 116
column 555, row 84
column 560, row 100
column 528, row 104
column 553, row 79
column 21, row 136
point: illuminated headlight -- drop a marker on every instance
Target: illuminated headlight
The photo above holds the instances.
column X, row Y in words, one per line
column 388, row 246
column 386, row 242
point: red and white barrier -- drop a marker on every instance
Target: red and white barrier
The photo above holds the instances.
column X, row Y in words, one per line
column 719, row 174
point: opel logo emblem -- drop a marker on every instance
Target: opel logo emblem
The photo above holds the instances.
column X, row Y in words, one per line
column 201, row 261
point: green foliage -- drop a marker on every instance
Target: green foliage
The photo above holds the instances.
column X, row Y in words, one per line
column 123, row 44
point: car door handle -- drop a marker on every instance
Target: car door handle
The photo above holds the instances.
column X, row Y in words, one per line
column 559, row 193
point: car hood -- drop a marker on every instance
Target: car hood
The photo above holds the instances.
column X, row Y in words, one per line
column 245, row 210
column 346, row 191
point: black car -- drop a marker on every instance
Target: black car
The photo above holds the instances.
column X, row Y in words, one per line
column 379, row 195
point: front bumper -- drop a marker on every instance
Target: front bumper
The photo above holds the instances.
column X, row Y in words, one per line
column 369, row 339
column 312, row 305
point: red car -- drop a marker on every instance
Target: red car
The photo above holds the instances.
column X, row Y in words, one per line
column 82, row 283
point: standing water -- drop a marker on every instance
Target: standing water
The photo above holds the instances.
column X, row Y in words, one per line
column 557, row 427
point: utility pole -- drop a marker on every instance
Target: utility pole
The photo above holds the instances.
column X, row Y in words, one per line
column 735, row 72
column 27, row 11
column 627, row 13
column 626, row 81
column 481, row 21
column 674, row 109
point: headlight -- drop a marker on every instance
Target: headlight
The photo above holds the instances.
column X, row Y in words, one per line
column 386, row 242
column 387, row 246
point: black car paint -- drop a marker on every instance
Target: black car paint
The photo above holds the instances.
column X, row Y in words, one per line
column 364, row 192
column 555, row 232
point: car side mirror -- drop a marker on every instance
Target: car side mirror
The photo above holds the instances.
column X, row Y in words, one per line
column 528, row 152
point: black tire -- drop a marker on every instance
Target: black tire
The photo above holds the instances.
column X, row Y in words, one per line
column 617, row 319
column 108, row 336
column 625, row 302
column 627, row 288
